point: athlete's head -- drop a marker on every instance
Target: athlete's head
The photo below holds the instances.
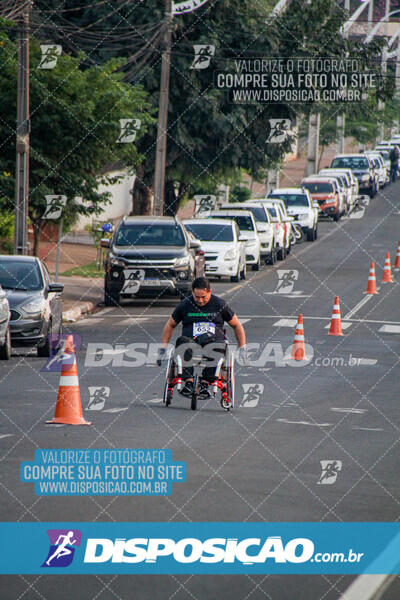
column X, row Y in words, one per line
column 201, row 291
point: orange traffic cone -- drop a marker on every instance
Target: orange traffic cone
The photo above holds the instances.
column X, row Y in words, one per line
column 336, row 321
column 69, row 407
column 397, row 261
column 371, row 285
column 387, row 270
column 298, row 349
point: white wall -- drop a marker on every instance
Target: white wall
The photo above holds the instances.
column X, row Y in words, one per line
column 121, row 201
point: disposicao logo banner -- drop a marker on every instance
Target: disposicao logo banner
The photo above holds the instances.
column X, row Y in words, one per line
column 206, row 548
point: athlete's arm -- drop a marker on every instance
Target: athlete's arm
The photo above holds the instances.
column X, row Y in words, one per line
column 238, row 331
column 168, row 331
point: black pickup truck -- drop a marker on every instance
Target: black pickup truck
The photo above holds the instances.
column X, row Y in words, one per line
column 150, row 256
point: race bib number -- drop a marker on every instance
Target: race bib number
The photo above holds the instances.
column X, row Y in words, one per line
column 200, row 328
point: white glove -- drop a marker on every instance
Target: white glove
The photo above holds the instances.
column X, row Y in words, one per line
column 242, row 357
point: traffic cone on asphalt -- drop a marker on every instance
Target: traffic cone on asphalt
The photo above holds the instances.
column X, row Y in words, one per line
column 298, row 348
column 336, row 321
column 397, row 261
column 69, row 407
column 387, row 270
column 371, row 285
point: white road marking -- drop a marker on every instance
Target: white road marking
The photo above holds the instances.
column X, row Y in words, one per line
column 368, row 428
column 366, row 361
column 4, row 435
column 88, row 321
column 115, row 410
column 285, row 323
column 305, row 423
column 244, row 320
column 390, row 329
column 133, row 320
column 55, row 425
column 344, row 325
column 155, row 401
column 357, row 307
column 356, row 411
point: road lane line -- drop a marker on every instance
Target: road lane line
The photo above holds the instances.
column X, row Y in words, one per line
column 4, row 435
column 356, row 411
column 357, row 307
column 285, row 323
column 344, row 325
column 305, row 423
column 389, row 329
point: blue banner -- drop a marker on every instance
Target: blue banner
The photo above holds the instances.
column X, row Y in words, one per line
column 206, row 548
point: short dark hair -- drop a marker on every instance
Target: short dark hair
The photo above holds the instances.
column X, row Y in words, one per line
column 201, row 283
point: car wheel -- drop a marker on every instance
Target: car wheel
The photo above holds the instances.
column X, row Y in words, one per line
column 256, row 267
column 316, row 232
column 336, row 217
column 243, row 273
column 44, row 350
column 271, row 259
column 110, row 299
column 5, row 348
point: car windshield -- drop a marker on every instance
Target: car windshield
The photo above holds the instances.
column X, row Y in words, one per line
column 244, row 223
column 211, row 233
column 294, row 200
column 318, row 187
column 20, row 275
column 258, row 213
column 384, row 154
column 351, row 162
column 150, row 234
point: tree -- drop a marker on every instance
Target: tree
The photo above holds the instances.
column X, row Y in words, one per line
column 75, row 125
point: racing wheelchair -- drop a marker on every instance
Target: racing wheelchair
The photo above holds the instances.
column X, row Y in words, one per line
column 223, row 383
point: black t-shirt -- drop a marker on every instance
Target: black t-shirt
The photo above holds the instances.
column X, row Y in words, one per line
column 209, row 318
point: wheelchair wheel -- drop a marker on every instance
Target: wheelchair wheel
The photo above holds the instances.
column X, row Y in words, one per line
column 167, row 397
column 193, row 403
column 228, row 393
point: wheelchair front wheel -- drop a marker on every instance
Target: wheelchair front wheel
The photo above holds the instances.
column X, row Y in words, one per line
column 193, row 403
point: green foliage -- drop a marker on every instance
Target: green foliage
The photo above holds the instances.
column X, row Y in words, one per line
column 75, row 125
column 239, row 194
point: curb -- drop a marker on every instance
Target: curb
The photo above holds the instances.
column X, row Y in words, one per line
column 73, row 314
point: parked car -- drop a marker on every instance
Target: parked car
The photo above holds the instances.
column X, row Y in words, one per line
column 363, row 169
column 281, row 230
column 345, row 186
column 223, row 246
column 248, row 230
column 353, row 179
column 265, row 227
column 5, row 333
column 326, row 192
column 149, row 256
column 301, row 207
column 35, row 302
column 385, row 153
column 379, row 167
column 287, row 221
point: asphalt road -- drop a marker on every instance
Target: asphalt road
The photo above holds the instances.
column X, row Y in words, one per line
column 260, row 462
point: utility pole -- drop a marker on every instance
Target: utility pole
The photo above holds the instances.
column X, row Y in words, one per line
column 23, row 128
column 313, row 143
column 161, row 150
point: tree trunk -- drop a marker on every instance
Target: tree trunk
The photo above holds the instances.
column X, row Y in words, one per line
column 320, row 157
column 141, row 194
column 36, row 236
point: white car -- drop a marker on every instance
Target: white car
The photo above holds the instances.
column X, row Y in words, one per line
column 379, row 167
column 301, row 207
column 224, row 249
column 287, row 222
column 5, row 335
column 279, row 220
column 265, row 227
column 248, row 230
column 354, row 181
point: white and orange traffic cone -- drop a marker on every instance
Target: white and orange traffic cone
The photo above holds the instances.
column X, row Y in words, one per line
column 387, row 270
column 336, row 321
column 397, row 261
column 69, row 407
column 298, row 348
column 371, row 285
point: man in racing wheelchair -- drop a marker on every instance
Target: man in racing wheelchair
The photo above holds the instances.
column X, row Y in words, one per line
column 202, row 316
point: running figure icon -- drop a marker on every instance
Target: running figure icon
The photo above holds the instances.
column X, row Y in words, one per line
column 62, row 549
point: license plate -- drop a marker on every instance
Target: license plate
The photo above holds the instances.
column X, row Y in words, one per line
column 151, row 282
